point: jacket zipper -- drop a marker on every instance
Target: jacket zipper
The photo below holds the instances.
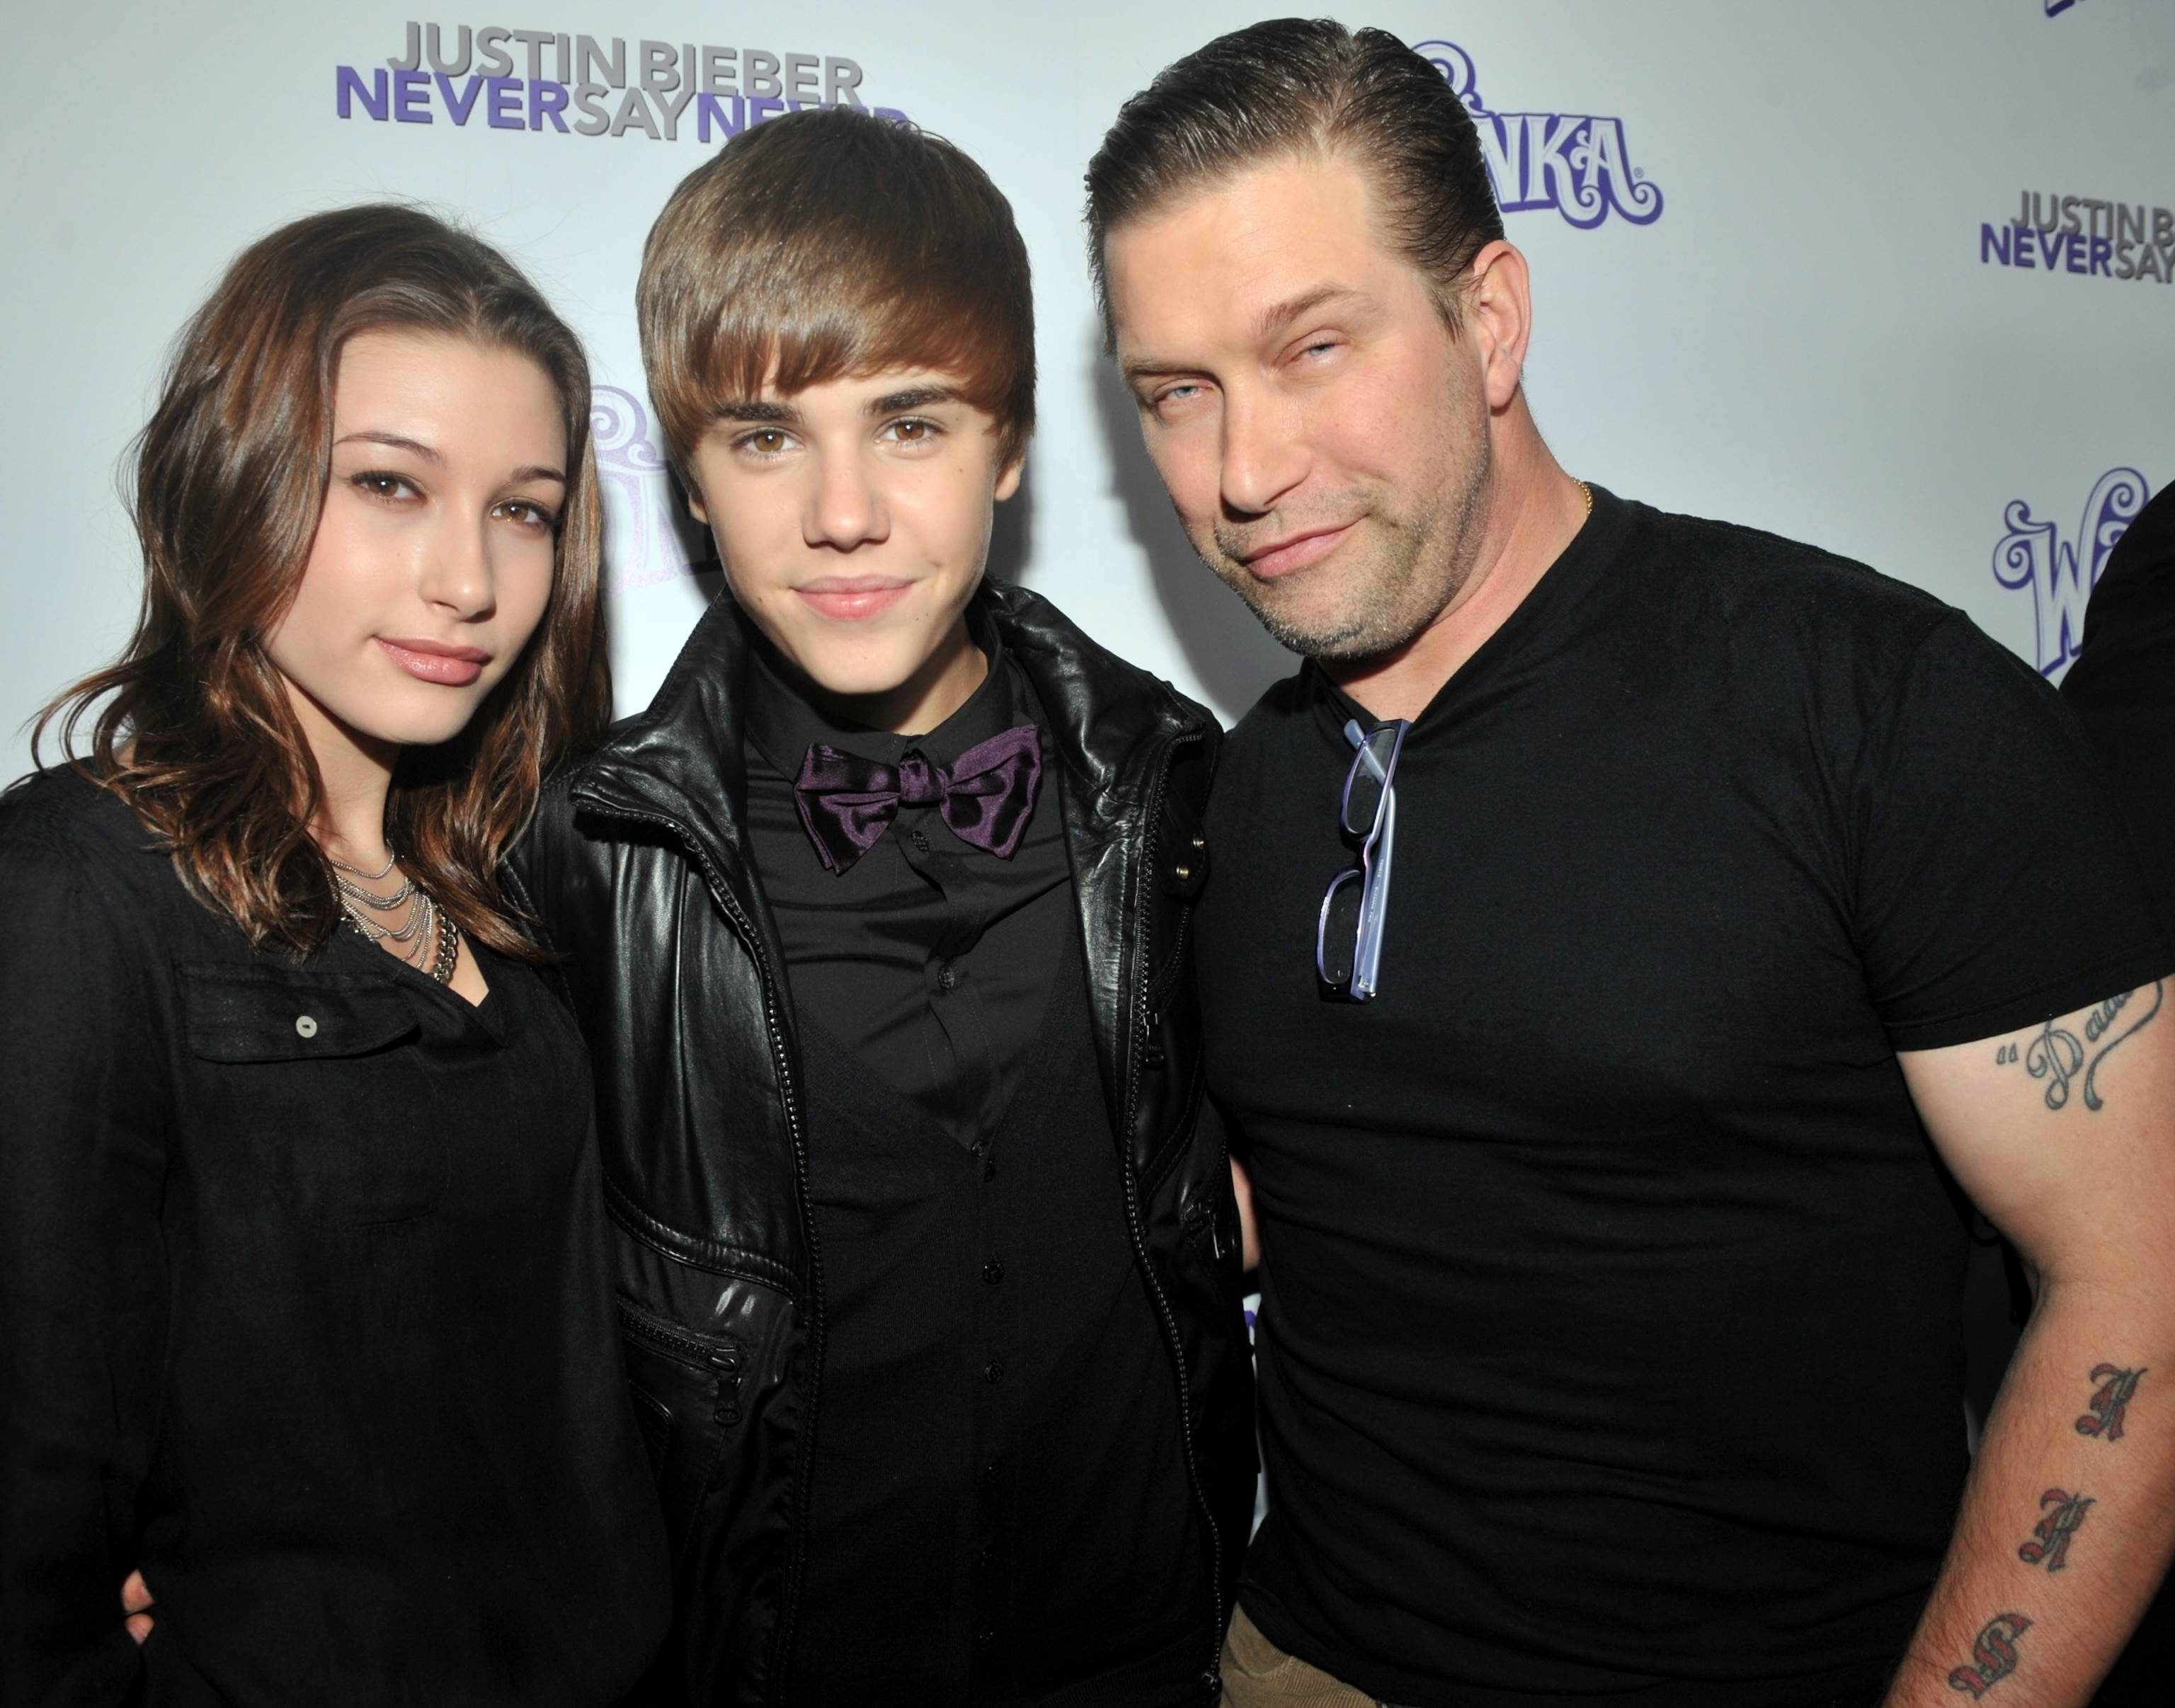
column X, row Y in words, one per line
column 1211, row 1680
column 722, row 1359
column 789, row 1613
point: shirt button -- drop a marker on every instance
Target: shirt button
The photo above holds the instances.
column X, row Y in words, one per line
column 989, row 1473
column 985, row 1637
column 993, row 1272
column 946, row 977
column 989, row 1168
column 993, row 1373
column 305, row 1026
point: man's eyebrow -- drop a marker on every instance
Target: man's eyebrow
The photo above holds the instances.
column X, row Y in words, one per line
column 398, row 442
column 914, row 398
column 1278, row 316
column 1155, row 370
column 1272, row 320
column 749, row 410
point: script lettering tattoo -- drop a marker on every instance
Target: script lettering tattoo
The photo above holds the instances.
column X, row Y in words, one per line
column 2052, row 1532
column 2117, row 1389
column 1994, row 1656
column 2060, row 1057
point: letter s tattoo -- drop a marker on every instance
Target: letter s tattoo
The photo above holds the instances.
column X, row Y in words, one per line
column 1994, row 1656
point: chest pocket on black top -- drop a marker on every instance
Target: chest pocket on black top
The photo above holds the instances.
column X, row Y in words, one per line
column 316, row 1086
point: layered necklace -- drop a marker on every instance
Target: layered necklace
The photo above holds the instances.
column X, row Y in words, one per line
column 425, row 938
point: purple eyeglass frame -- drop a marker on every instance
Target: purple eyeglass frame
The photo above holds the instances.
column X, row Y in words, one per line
column 1371, row 870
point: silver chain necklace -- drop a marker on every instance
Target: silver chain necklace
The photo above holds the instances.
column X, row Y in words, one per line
column 424, row 929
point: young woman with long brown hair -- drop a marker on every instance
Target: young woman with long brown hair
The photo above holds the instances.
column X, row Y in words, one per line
column 305, row 1307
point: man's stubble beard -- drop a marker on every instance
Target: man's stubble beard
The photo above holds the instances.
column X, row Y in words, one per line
column 1396, row 592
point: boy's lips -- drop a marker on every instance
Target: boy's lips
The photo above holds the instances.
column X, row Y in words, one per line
column 436, row 661
column 1296, row 550
column 849, row 598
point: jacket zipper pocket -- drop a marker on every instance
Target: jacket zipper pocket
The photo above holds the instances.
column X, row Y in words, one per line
column 721, row 1357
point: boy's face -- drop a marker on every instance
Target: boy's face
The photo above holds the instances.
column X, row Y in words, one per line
column 853, row 519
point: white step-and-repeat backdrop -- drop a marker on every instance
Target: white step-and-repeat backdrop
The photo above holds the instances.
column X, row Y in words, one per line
column 1894, row 278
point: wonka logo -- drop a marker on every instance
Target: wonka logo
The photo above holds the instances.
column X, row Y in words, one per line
column 2061, row 573
column 578, row 85
column 1575, row 163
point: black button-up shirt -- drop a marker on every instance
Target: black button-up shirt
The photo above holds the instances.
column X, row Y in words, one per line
column 929, row 958
column 998, row 1513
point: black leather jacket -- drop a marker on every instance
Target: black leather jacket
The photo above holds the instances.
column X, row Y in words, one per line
column 637, row 869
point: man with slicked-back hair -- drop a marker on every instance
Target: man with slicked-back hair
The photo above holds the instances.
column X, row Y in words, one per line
column 1636, row 943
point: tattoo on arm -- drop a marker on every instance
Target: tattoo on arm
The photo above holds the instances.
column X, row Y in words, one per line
column 2051, row 1534
column 2117, row 1389
column 1994, row 1656
column 2060, row 1057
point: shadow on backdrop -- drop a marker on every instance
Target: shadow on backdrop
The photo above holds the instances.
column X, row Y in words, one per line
column 1012, row 535
column 1231, row 654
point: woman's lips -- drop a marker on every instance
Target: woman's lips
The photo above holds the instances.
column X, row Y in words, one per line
column 434, row 661
column 849, row 599
column 1297, row 552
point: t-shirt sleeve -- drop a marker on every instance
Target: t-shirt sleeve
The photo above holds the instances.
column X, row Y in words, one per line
column 1996, row 881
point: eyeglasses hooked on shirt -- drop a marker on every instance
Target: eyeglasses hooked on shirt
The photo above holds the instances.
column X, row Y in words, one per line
column 1347, row 940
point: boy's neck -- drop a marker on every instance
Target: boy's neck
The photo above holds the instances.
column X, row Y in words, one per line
column 945, row 681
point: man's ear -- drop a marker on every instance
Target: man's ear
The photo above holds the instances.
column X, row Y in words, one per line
column 1498, row 310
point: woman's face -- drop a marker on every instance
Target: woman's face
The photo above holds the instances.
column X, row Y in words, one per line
column 433, row 558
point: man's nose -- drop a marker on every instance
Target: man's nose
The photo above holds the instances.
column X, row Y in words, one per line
column 846, row 509
column 1265, row 451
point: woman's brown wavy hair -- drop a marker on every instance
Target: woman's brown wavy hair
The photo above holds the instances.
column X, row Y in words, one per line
column 196, row 733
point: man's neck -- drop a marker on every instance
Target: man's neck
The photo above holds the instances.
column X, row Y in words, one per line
column 1533, row 511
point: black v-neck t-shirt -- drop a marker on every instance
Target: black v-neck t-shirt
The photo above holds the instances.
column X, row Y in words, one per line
column 1610, row 1338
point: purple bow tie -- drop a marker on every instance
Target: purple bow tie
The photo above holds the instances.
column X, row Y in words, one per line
column 848, row 803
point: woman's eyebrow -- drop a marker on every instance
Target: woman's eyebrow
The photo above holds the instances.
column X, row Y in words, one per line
column 398, row 442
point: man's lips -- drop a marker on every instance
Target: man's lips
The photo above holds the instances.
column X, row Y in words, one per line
column 436, row 661
column 1295, row 551
column 850, row 598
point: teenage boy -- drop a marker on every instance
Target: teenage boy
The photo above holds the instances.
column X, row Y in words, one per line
column 876, row 922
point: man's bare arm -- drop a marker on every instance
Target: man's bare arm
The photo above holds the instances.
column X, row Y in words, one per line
column 2063, row 1135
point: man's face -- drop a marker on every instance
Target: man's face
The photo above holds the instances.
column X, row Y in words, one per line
column 853, row 519
column 1324, row 434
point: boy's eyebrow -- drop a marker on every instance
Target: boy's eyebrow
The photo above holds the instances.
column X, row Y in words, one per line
column 748, row 410
column 918, row 397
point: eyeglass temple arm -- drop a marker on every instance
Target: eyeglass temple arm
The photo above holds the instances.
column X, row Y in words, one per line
column 1357, row 738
